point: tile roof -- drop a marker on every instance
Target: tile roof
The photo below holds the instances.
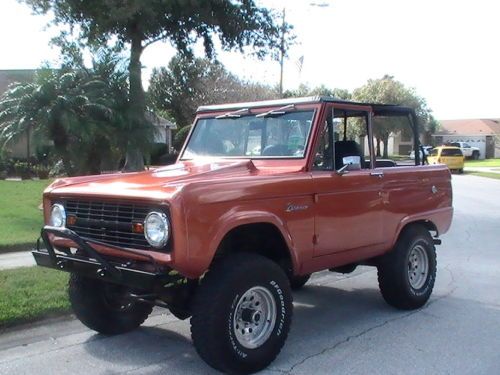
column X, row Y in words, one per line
column 470, row 127
column 14, row 75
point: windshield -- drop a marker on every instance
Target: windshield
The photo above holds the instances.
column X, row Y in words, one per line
column 276, row 136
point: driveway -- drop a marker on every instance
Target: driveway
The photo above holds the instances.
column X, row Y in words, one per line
column 341, row 324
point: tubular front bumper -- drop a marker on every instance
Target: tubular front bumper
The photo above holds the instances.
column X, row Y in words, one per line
column 90, row 263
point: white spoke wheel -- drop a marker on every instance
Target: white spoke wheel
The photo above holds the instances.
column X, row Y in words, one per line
column 241, row 313
column 406, row 275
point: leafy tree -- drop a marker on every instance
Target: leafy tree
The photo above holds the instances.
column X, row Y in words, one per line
column 304, row 90
column 387, row 90
column 188, row 83
column 138, row 23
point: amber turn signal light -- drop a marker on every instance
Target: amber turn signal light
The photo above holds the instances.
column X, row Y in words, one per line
column 71, row 220
column 137, row 227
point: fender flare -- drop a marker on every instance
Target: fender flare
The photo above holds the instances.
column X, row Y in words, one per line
column 233, row 219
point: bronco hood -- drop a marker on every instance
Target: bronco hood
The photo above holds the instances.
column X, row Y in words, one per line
column 155, row 184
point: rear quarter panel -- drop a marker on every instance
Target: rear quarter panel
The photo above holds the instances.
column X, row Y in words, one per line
column 416, row 193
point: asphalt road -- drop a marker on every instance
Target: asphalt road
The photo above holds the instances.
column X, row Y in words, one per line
column 341, row 324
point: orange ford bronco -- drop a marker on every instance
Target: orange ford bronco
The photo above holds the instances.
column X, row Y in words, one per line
column 262, row 195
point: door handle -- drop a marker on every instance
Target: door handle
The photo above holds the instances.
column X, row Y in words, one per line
column 378, row 174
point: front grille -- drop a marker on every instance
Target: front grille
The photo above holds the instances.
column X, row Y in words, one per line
column 108, row 222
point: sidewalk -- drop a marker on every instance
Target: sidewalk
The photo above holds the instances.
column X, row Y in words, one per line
column 15, row 260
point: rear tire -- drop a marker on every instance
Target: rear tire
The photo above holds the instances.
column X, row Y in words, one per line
column 242, row 313
column 407, row 274
column 102, row 307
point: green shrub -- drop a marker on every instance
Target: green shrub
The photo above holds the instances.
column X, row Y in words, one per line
column 23, row 170
column 157, row 151
column 42, row 172
column 168, row 159
column 180, row 137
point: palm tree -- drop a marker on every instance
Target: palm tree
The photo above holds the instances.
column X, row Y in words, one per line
column 82, row 111
column 54, row 107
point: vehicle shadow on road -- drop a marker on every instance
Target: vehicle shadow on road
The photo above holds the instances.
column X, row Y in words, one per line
column 149, row 350
column 323, row 314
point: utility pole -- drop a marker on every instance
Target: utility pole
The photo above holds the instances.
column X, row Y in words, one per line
column 282, row 52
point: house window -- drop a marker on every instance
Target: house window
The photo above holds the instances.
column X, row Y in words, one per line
column 406, row 136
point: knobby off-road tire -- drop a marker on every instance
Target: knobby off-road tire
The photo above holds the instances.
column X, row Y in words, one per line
column 242, row 313
column 407, row 274
column 102, row 308
column 297, row 282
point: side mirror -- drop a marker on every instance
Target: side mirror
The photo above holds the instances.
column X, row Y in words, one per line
column 342, row 170
column 353, row 163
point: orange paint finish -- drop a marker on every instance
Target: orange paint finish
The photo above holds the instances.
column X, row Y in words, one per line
column 325, row 219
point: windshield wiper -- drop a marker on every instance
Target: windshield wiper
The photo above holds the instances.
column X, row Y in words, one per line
column 235, row 114
column 277, row 112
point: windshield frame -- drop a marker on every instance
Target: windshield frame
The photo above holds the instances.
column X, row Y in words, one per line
column 254, row 112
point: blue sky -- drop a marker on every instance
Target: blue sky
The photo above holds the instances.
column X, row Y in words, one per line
column 448, row 50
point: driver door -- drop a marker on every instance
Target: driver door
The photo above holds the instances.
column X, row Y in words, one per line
column 348, row 207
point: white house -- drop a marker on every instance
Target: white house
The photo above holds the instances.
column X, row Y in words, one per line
column 481, row 133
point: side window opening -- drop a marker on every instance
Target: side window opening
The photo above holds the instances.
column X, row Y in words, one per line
column 351, row 128
column 342, row 140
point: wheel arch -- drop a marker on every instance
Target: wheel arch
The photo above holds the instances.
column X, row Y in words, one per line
column 429, row 225
column 259, row 235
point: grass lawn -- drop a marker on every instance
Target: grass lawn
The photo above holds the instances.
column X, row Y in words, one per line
column 20, row 218
column 29, row 293
column 483, row 163
column 485, row 174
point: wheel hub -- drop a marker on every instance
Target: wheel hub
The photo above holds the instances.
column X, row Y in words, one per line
column 254, row 317
column 418, row 267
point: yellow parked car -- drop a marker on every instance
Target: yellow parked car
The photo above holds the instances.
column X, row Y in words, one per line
column 449, row 155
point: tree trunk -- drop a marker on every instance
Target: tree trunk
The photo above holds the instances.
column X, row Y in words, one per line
column 378, row 147
column 93, row 163
column 60, row 139
column 137, row 104
column 385, row 140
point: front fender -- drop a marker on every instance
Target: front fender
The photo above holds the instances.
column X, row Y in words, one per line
column 206, row 232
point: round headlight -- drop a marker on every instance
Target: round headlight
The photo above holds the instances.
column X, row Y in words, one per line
column 58, row 215
column 156, row 229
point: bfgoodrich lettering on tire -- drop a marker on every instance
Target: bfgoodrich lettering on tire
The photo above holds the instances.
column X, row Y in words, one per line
column 407, row 274
column 242, row 313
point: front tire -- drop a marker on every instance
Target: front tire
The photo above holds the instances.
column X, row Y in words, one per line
column 407, row 274
column 297, row 282
column 242, row 313
column 103, row 307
